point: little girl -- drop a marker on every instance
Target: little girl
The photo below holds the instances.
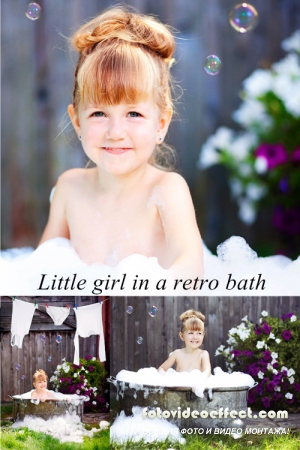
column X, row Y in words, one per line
column 128, row 202
column 41, row 392
column 190, row 357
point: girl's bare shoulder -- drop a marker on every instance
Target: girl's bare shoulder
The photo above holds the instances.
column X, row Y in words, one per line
column 75, row 176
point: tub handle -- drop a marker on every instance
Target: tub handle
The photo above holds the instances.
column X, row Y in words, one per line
column 255, row 384
column 210, row 395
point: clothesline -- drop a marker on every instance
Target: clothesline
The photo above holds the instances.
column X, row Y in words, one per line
column 67, row 306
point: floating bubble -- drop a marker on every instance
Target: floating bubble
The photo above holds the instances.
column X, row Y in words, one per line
column 43, row 337
column 33, row 11
column 243, row 17
column 153, row 310
column 239, row 425
column 212, row 65
column 129, row 309
column 139, row 340
column 23, row 377
column 49, row 358
column 18, row 366
column 58, row 339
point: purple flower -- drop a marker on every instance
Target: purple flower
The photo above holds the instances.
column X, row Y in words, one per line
column 296, row 155
column 286, row 334
column 102, row 400
column 266, row 328
column 275, row 154
column 277, row 396
column 267, row 355
column 247, row 353
column 266, row 402
column 236, row 352
column 270, row 386
column 287, row 220
column 284, row 185
column 91, row 368
column 296, row 386
column 251, row 396
column 88, row 357
column 286, row 316
column 253, row 370
column 257, row 329
column 74, row 366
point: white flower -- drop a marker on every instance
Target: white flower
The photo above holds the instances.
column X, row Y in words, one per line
column 274, row 355
column 255, row 191
column 236, row 187
column 258, row 83
column 293, row 318
column 247, row 212
column 245, row 319
column 58, row 367
column 260, row 344
column 284, row 368
column 290, row 372
column 277, row 388
column 260, row 320
column 209, row 154
column 291, row 380
column 93, row 359
column 288, row 66
column 53, row 378
column 264, row 313
column 271, row 336
column 261, row 165
column 277, row 341
column 78, row 392
column 94, row 403
column 252, row 112
column 242, row 144
column 260, row 375
column 270, row 367
column 292, row 43
column 288, row 395
column 75, row 375
column 275, row 371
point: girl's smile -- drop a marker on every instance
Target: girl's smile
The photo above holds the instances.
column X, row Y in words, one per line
column 192, row 339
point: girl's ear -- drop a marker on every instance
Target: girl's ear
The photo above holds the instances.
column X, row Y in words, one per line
column 164, row 123
column 181, row 336
column 74, row 119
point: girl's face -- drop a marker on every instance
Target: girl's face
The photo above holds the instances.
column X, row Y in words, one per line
column 192, row 338
column 120, row 138
column 41, row 384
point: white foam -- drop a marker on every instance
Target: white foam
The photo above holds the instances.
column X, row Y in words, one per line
column 135, row 428
column 195, row 380
column 66, row 428
column 21, row 273
column 71, row 398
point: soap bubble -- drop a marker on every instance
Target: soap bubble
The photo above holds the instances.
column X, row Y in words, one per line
column 43, row 337
column 212, row 65
column 243, row 17
column 33, row 11
column 18, row 366
column 23, row 377
column 58, row 339
column 49, row 358
column 139, row 340
column 153, row 310
column 238, row 424
column 129, row 309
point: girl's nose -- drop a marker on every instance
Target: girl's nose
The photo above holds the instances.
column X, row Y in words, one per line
column 116, row 130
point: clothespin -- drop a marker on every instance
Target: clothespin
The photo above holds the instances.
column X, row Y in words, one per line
column 100, row 301
column 67, row 306
column 13, row 298
column 47, row 305
column 76, row 305
column 35, row 303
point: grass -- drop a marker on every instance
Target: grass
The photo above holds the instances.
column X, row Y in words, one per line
column 24, row 439
column 254, row 442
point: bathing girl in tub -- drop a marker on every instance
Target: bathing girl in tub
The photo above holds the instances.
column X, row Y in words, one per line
column 129, row 202
column 190, row 357
column 40, row 380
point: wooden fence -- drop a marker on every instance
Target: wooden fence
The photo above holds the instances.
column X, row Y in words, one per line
column 36, row 349
column 160, row 333
column 37, row 80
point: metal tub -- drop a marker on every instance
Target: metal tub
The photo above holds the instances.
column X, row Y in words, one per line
column 25, row 407
column 172, row 398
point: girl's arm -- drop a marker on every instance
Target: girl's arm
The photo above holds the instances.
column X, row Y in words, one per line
column 57, row 225
column 168, row 363
column 34, row 394
column 205, row 363
column 181, row 230
column 51, row 395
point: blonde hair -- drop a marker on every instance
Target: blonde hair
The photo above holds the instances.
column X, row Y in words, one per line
column 125, row 57
column 38, row 375
column 192, row 320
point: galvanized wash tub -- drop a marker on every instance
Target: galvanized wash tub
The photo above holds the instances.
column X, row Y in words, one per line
column 182, row 398
column 49, row 408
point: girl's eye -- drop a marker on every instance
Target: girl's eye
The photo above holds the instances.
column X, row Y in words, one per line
column 134, row 114
column 98, row 114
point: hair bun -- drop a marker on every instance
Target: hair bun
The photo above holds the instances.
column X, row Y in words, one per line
column 123, row 24
column 192, row 313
